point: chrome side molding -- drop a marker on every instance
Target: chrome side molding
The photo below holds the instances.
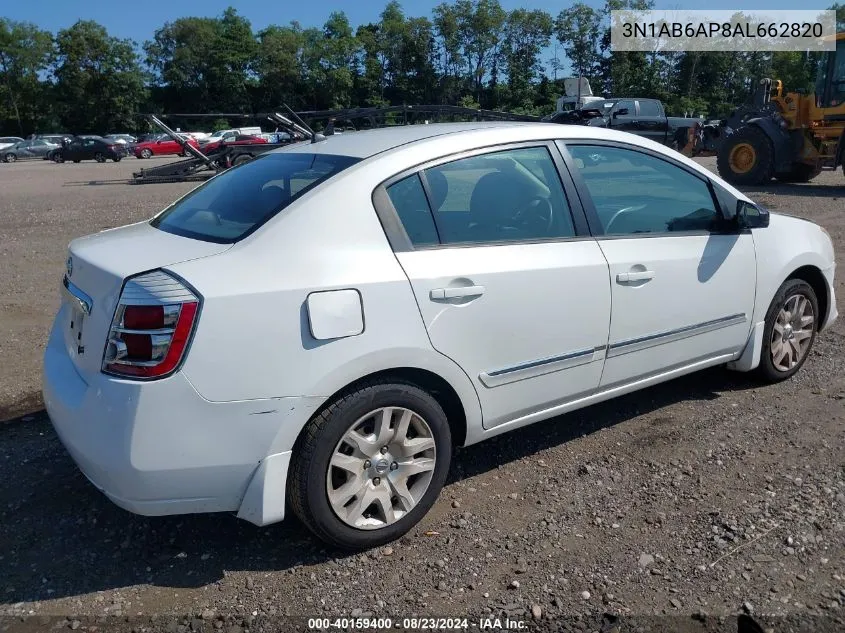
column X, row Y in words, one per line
column 652, row 340
column 77, row 296
column 533, row 368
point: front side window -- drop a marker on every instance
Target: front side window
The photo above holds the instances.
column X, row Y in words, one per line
column 624, row 108
column 636, row 193
column 230, row 206
column 649, row 107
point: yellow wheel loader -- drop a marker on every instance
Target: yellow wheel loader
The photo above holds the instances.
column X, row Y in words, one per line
column 788, row 136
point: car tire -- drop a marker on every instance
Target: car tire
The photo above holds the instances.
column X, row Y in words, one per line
column 240, row 159
column 77, row 160
column 800, row 172
column 313, row 474
column 795, row 298
column 58, row 157
column 746, row 157
column 145, row 153
column 100, row 157
column 117, row 159
column 9, row 158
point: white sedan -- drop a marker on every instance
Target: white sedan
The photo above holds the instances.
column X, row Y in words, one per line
column 322, row 325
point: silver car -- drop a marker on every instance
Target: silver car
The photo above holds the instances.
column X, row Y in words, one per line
column 34, row 148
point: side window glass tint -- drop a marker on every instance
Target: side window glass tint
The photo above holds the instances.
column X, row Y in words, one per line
column 649, row 108
column 513, row 195
column 625, row 105
column 408, row 198
column 637, row 193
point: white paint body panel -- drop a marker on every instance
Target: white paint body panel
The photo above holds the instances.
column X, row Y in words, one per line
column 218, row 434
column 539, row 301
column 698, row 279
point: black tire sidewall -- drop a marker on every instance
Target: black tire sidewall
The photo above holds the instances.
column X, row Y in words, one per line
column 9, row 158
column 322, row 519
column 146, row 153
column 100, row 158
column 789, row 288
column 764, row 165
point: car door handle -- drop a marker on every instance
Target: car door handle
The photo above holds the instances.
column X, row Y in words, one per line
column 438, row 294
column 644, row 275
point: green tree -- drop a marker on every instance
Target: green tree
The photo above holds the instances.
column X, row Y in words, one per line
column 526, row 33
column 180, row 55
column 205, row 63
column 99, row 81
column 278, row 66
column 449, row 57
column 480, row 24
column 577, row 28
column 338, row 49
column 25, row 53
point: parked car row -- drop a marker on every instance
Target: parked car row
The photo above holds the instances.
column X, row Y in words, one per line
column 75, row 148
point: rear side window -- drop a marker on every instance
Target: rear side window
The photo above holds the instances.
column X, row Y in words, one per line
column 408, row 198
column 507, row 196
column 234, row 204
column 649, row 108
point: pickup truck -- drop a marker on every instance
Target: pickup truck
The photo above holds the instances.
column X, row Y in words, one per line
column 644, row 117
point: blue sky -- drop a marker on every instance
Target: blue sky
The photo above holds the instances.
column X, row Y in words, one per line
column 139, row 19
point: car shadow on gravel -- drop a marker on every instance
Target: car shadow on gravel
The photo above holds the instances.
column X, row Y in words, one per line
column 796, row 190
column 59, row 537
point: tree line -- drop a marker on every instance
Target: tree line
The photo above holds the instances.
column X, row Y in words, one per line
column 466, row 52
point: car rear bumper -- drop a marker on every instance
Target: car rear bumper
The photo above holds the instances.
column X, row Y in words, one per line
column 157, row 448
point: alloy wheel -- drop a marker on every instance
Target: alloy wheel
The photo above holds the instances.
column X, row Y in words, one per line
column 792, row 332
column 381, row 468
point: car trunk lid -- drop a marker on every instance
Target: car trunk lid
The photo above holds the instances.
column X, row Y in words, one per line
column 96, row 269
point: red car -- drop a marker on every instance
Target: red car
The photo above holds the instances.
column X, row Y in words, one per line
column 161, row 147
column 241, row 139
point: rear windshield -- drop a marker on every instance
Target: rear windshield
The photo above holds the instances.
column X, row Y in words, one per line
column 234, row 204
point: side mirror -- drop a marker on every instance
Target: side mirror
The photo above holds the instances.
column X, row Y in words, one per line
column 750, row 216
column 620, row 112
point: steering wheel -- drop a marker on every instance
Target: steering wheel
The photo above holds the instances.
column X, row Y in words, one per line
column 537, row 215
column 635, row 207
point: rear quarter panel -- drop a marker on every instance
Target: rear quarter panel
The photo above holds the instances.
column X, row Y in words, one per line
column 253, row 338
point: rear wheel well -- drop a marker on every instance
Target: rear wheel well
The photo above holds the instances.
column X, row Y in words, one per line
column 818, row 283
column 426, row 380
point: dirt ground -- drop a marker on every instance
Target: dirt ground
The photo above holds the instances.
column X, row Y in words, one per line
column 701, row 498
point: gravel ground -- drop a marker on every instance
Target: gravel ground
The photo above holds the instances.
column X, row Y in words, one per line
column 701, row 498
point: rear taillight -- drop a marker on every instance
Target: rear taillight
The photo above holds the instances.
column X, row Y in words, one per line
column 152, row 326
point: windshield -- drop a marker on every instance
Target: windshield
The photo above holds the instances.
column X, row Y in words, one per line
column 832, row 65
column 234, row 204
